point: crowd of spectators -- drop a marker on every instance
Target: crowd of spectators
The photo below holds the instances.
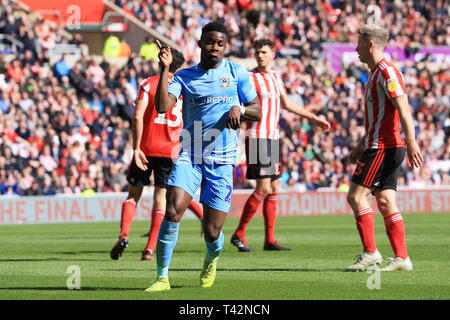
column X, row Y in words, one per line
column 66, row 129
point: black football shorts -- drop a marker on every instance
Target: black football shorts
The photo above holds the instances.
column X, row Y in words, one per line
column 161, row 168
column 263, row 157
column 378, row 168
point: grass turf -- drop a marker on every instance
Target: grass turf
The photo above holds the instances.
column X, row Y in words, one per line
column 34, row 260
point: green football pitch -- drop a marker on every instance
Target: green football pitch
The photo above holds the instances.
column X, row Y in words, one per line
column 38, row 261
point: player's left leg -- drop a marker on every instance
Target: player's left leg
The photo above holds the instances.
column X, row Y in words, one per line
column 129, row 209
column 365, row 223
column 177, row 203
column 137, row 180
column 270, row 215
column 183, row 183
column 213, row 221
column 395, row 230
column 217, row 189
column 158, row 212
column 162, row 169
column 251, row 206
column 254, row 149
column 127, row 216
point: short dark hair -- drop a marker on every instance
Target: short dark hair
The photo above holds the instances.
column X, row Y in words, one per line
column 259, row 43
column 177, row 60
column 215, row 26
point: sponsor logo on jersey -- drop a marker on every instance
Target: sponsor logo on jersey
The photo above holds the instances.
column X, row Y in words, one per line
column 225, row 83
column 391, row 85
column 202, row 100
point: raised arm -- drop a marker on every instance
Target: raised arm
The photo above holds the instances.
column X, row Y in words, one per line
column 163, row 99
column 412, row 149
column 290, row 106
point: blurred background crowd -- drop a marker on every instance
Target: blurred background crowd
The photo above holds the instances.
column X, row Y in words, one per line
column 66, row 129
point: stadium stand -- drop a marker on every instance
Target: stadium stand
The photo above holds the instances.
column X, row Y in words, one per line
column 67, row 129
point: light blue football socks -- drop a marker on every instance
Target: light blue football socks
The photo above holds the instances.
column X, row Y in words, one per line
column 167, row 240
column 215, row 248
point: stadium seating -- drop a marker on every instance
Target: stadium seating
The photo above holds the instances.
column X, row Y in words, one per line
column 69, row 133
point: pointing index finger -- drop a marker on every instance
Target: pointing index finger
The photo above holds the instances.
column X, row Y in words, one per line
column 158, row 44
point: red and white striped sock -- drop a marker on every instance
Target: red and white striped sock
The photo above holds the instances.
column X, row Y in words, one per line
column 365, row 223
column 395, row 230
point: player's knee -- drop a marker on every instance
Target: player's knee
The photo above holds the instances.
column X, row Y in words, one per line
column 383, row 204
column 134, row 195
column 172, row 213
column 211, row 232
column 265, row 190
column 174, row 207
column 351, row 199
column 354, row 199
column 274, row 189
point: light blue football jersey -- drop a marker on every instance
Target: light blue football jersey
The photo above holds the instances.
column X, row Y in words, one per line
column 208, row 95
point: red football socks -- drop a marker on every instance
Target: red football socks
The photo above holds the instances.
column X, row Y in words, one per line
column 395, row 230
column 128, row 212
column 157, row 218
column 196, row 208
column 250, row 208
column 365, row 223
column 270, row 214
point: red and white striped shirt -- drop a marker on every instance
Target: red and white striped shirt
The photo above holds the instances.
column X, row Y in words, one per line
column 382, row 121
column 269, row 88
column 160, row 135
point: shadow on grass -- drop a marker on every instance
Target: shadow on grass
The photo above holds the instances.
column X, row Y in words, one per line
column 94, row 252
column 45, row 259
column 265, row 270
column 84, row 288
column 74, row 290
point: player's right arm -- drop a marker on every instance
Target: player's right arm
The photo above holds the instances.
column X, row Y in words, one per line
column 358, row 151
column 291, row 106
column 163, row 99
column 394, row 88
column 412, row 149
column 250, row 111
column 137, row 128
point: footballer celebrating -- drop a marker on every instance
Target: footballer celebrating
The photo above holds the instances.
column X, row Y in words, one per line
column 216, row 94
column 155, row 142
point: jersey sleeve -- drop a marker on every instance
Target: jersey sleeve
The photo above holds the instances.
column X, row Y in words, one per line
column 175, row 86
column 246, row 89
column 393, row 83
column 143, row 91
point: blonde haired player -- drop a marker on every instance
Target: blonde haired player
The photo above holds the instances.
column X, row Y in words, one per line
column 380, row 153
